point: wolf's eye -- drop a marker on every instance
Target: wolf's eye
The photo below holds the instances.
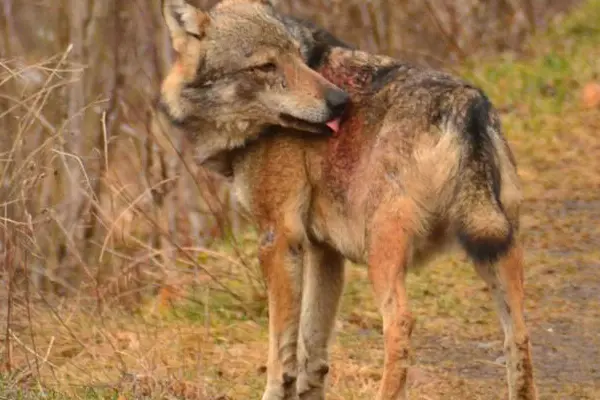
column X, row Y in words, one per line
column 194, row 35
column 267, row 67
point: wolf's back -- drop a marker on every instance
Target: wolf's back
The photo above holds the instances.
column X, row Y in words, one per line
column 468, row 172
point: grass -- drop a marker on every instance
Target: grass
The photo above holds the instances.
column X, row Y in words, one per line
column 201, row 343
column 540, row 100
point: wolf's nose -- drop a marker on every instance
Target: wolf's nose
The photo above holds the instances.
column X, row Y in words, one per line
column 336, row 101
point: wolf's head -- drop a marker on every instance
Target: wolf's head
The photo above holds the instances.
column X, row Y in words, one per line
column 239, row 64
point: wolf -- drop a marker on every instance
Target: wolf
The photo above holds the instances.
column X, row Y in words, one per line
column 414, row 163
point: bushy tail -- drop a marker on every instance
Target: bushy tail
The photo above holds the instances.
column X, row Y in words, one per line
column 484, row 230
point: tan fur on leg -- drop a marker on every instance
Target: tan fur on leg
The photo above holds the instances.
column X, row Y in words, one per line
column 323, row 283
column 505, row 281
column 281, row 262
column 389, row 255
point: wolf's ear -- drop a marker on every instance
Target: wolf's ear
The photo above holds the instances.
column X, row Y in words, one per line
column 271, row 3
column 183, row 19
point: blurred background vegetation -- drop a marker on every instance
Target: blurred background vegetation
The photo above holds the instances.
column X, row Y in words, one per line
column 94, row 216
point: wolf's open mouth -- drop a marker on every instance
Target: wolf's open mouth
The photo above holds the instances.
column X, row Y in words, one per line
column 328, row 127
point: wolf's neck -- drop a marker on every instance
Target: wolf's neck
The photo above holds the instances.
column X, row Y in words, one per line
column 209, row 136
column 358, row 72
column 219, row 135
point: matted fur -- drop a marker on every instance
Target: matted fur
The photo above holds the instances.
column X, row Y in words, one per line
column 419, row 163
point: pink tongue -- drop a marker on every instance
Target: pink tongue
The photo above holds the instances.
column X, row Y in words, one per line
column 334, row 125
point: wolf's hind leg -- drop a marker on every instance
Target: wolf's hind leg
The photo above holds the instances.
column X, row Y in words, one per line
column 389, row 255
column 505, row 280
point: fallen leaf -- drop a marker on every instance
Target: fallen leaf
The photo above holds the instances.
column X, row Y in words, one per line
column 591, row 95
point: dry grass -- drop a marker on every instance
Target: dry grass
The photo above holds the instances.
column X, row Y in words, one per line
column 203, row 336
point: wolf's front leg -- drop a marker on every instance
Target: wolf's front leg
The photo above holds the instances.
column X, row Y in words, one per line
column 323, row 284
column 281, row 262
